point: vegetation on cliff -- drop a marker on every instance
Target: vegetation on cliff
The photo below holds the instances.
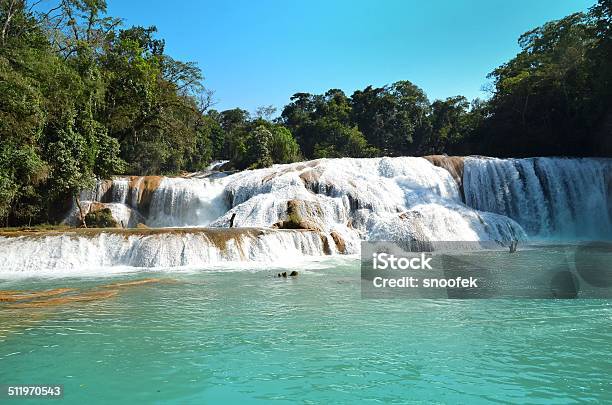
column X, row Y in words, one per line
column 82, row 97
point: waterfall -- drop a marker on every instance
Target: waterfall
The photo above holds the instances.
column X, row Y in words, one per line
column 377, row 199
column 336, row 203
column 157, row 201
column 186, row 202
column 549, row 197
column 72, row 252
column 120, row 190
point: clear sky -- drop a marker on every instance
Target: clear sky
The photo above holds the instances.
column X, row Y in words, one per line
column 260, row 52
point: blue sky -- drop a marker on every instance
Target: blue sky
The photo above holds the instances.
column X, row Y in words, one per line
column 256, row 53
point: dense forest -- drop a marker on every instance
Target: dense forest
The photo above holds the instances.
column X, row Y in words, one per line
column 82, row 96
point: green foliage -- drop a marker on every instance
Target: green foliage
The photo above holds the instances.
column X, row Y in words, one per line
column 393, row 118
column 258, row 149
column 69, row 157
column 549, row 98
column 102, row 218
column 81, row 97
column 283, row 147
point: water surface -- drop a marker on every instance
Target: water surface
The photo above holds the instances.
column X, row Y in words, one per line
column 247, row 336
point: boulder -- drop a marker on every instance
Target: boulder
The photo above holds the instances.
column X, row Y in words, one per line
column 295, row 218
column 142, row 189
column 101, row 218
column 452, row 164
column 339, row 241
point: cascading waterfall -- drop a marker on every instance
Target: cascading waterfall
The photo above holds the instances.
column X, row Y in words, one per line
column 157, row 201
column 336, row 202
column 549, row 197
column 378, row 199
column 120, row 190
column 71, row 252
column 186, row 202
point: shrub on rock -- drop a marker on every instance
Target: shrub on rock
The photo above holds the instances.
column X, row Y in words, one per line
column 102, row 218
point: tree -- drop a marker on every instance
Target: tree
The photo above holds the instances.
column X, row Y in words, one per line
column 72, row 167
column 283, row 147
column 449, row 124
column 322, row 124
column 265, row 112
column 542, row 98
column 258, row 149
column 393, row 118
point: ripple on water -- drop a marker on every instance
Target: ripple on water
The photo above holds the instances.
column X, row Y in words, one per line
column 246, row 335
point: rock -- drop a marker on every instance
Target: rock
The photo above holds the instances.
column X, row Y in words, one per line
column 326, row 248
column 285, row 275
column 311, row 179
column 123, row 215
column 452, row 164
column 340, row 243
column 295, row 220
column 101, row 218
column 140, row 225
column 142, row 188
column 104, row 191
column 225, row 167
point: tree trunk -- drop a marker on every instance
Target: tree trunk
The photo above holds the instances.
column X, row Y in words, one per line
column 77, row 199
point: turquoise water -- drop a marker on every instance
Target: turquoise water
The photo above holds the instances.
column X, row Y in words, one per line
column 245, row 336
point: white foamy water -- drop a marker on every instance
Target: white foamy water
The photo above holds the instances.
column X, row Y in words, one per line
column 186, row 202
column 344, row 200
column 70, row 253
column 549, row 197
column 379, row 198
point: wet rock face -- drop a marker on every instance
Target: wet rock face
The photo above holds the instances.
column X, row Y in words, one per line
column 104, row 191
column 101, row 218
column 100, row 214
column 299, row 216
column 326, row 248
column 339, row 241
column 452, row 164
column 141, row 190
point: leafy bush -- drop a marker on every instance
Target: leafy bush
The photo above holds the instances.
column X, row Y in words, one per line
column 102, row 218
